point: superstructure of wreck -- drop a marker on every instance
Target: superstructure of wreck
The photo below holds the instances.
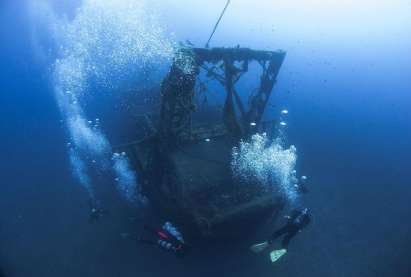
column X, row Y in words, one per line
column 183, row 167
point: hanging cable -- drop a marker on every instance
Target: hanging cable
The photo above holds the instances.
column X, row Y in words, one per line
column 216, row 25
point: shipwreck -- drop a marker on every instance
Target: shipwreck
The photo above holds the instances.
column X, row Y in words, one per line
column 184, row 164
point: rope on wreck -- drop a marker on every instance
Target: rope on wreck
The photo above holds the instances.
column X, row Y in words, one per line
column 216, row 25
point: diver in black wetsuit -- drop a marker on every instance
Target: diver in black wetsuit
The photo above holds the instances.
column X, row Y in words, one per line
column 297, row 221
column 167, row 237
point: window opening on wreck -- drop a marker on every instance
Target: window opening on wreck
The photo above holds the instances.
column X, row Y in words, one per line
column 210, row 93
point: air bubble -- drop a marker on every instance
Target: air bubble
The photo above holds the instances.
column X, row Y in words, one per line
column 268, row 162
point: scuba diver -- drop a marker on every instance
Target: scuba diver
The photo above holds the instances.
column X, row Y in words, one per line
column 297, row 221
column 167, row 237
column 95, row 212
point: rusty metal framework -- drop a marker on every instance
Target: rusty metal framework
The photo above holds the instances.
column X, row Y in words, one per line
column 227, row 66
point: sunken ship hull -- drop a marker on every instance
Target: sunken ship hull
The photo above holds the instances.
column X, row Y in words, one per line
column 184, row 169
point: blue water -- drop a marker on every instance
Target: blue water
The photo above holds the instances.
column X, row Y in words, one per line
column 346, row 82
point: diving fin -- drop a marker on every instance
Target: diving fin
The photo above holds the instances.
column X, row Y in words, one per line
column 259, row 247
column 277, row 254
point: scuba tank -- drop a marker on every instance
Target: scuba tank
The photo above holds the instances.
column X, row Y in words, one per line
column 164, row 244
column 173, row 231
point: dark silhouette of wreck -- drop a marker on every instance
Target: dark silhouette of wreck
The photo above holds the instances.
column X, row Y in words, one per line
column 185, row 169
